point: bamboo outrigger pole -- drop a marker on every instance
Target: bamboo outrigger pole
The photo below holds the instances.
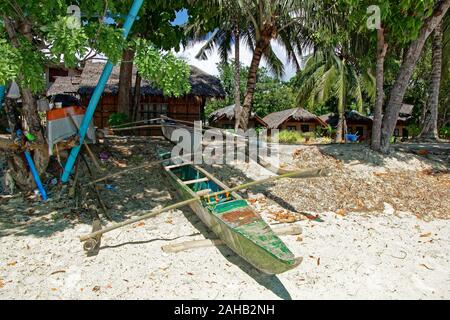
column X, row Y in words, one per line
column 132, row 14
column 308, row 173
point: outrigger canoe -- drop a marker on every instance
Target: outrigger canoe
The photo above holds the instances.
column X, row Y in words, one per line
column 230, row 218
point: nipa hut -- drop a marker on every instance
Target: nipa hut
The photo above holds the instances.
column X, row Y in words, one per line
column 296, row 119
column 224, row 118
column 361, row 125
column 356, row 123
column 153, row 103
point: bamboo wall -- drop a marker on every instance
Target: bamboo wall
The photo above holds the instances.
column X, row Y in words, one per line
column 188, row 108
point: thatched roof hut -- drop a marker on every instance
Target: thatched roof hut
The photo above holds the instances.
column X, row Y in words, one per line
column 226, row 114
column 406, row 109
column 276, row 119
column 202, row 83
column 64, row 85
column 352, row 116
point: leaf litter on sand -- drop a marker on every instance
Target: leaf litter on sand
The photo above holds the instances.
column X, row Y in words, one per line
column 361, row 181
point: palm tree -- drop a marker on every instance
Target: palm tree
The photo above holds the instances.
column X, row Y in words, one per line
column 282, row 21
column 230, row 24
column 328, row 74
column 260, row 22
column 430, row 129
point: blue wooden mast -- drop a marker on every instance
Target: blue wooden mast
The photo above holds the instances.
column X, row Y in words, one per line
column 97, row 94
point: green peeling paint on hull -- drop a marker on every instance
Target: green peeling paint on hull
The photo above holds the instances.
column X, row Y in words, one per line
column 235, row 222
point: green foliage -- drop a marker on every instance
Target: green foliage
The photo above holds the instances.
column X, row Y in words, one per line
column 326, row 75
column 271, row 94
column 444, row 131
column 9, row 58
column 106, row 39
column 31, row 67
column 117, row 119
column 413, row 130
column 67, row 41
column 164, row 70
column 53, row 29
column 290, row 137
column 402, row 19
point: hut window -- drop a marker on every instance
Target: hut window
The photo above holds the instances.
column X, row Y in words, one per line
column 305, row 128
column 405, row 133
column 360, row 131
column 397, row 132
column 153, row 110
column 292, row 128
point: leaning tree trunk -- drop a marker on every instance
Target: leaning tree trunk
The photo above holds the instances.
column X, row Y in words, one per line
column 430, row 130
column 405, row 73
column 237, row 77
column 378, row 109
column 261, row 46
column 125, row 78
column 40, row 155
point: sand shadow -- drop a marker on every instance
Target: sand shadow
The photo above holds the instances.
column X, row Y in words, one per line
column 270, row 282
column 147, row 241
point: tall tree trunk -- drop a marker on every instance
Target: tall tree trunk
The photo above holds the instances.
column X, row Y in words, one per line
column 11, row 116
column 430, row 130
column 30, row 114
column 261, row 46
column 378, row 108
column 340, row 129
column 406, row 70
column 237, row 76
column 125, row 78
column 136, row 96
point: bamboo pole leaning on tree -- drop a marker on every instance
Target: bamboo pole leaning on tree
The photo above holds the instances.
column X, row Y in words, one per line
column 308, row 173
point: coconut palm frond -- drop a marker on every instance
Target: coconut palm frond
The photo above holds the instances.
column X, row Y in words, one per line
column 209, row 46
column 324, row 87
column 274, row 64
column 308, row 84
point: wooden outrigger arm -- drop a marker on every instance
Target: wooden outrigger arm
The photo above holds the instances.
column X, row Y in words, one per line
column 308, row 173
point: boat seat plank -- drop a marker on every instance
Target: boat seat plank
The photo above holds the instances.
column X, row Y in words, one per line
column 173, row 166
column 196, row 180
column 203, row 192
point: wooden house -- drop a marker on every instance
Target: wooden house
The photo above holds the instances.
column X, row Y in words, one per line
column 224, row 118
column 355, row 122
column 59, row 70
column 405, row 115
column 296, row 119
column 153, row 103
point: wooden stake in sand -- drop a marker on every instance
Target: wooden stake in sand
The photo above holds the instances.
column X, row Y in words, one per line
column 183, row 246
column 309, row 173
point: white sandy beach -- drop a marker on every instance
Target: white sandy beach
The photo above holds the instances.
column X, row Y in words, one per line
column 380, row 254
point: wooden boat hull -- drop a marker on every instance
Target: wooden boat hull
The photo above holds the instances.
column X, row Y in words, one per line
column 239, row 227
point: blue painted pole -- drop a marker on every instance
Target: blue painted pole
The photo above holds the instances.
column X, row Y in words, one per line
column 36, row 178
column 97, row 94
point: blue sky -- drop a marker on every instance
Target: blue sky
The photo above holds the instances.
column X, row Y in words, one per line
column 182, row 17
